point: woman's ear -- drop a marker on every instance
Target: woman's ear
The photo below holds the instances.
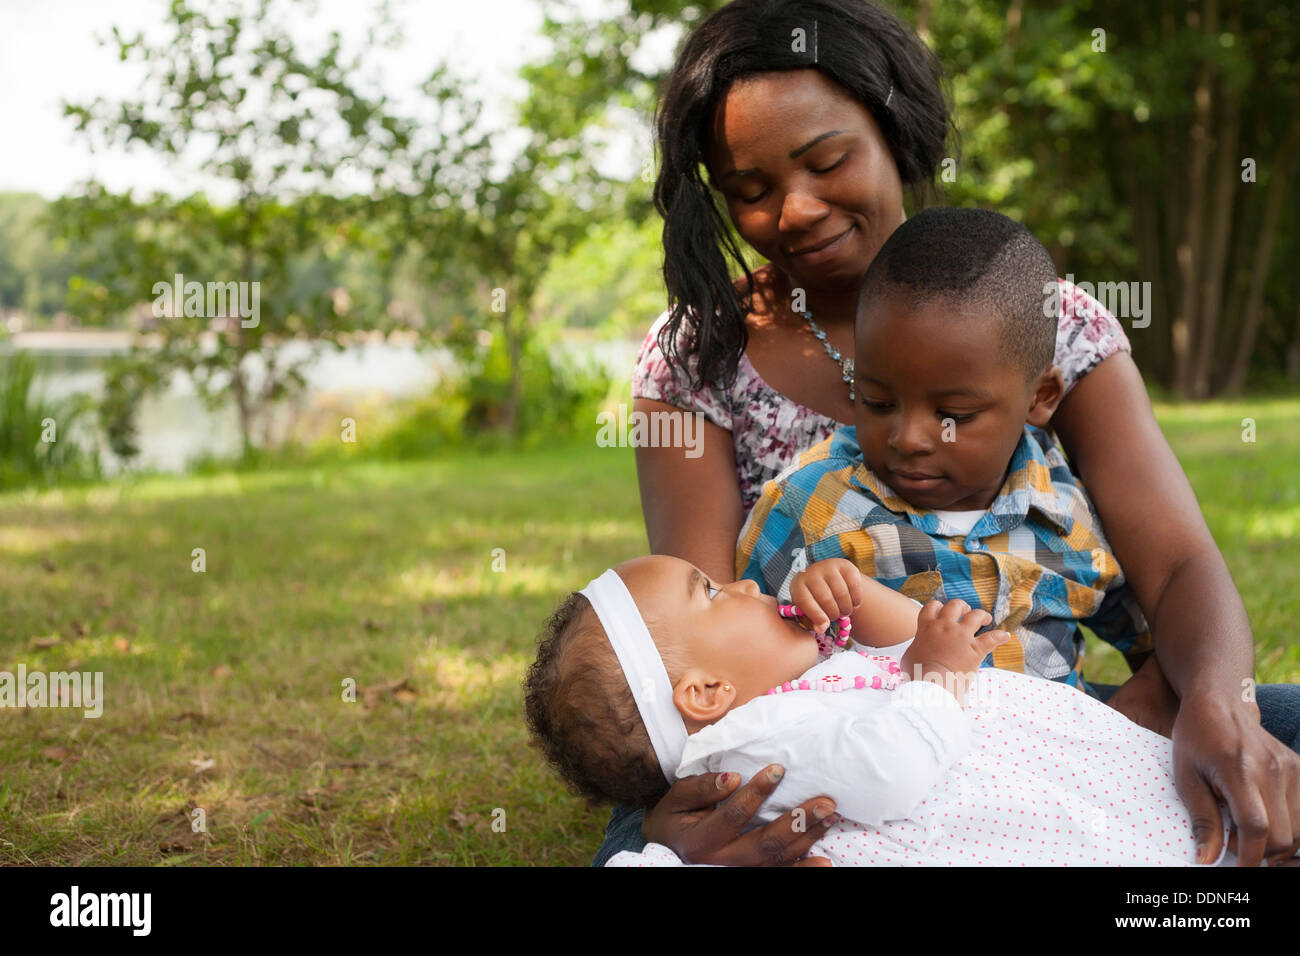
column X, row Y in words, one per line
column 702, row 697
column 1048, row 392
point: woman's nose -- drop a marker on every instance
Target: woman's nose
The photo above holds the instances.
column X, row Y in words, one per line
column 799, row 213
column 746, row 587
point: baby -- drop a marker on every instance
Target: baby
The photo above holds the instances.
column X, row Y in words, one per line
column 652, row 673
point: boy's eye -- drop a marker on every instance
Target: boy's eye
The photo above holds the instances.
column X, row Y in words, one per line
column 959, row 419
column 711, row 589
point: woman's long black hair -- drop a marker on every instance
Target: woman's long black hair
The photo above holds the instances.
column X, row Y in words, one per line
column 862, row 47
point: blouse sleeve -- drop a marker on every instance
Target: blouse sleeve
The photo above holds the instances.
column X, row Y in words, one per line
column 1087, row 334
column 654, row 379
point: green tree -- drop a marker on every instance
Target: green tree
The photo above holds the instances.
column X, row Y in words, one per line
column 232, row 96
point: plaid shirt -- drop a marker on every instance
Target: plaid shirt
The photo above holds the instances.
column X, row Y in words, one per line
column 1037, row 560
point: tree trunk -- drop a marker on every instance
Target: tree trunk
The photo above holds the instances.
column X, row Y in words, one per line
column 1279, row 174
column 1225, row 183
column 1187, row 320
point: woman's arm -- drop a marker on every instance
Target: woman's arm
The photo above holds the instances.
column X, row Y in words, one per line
column 1202, row 636
column 692, row 506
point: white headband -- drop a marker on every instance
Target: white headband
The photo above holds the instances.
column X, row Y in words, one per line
column 642, row 666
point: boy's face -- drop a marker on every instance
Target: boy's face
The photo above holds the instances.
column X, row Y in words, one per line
column 731, row 632
column 940, row 410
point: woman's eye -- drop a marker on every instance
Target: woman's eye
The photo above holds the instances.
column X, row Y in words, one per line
column 759, row 198
column 712, row 590
column 838, row 162
column 877, row 406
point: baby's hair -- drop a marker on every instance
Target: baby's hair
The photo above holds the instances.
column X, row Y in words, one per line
column 581, row 712
column 979, row 257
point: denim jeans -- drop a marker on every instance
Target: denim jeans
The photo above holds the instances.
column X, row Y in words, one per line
column 1279, row 711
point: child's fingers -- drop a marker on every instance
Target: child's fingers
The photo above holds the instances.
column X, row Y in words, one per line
column 809, row 597
column 929, row 613
column 954, row 609
column 853, row 582
column 991, row 639
column 976, row 618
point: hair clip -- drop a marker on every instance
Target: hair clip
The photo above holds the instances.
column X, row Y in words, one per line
column 891, row 94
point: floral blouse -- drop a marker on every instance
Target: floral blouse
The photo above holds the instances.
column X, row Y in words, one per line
column 769, row 430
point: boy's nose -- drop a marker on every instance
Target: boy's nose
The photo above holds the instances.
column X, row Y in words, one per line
column 911, row 436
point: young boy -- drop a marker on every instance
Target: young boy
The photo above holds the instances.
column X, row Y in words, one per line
column 947, row 486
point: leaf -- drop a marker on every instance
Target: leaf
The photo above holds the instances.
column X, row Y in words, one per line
column 202, row 764
column 258, row 820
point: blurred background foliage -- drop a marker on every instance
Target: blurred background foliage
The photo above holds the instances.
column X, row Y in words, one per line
column 1153, row 142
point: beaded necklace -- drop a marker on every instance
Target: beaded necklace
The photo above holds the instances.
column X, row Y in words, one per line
column 846, row 364
column 835, row 683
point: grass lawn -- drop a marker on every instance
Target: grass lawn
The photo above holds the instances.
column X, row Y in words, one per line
column 224, row 689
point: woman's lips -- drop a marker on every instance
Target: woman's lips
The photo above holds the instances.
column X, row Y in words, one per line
column 828, row 251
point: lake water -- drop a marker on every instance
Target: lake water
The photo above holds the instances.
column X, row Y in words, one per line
column 174, row 425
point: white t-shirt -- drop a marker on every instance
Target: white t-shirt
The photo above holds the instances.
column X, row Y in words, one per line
column 963, row 521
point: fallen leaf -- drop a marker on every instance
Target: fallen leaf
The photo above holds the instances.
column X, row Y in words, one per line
column 41, row 643
column 400, row 689
column 202, row 764
column 79, row 629
column 371, row 626
column 221, row 672
column 56, row 753
column 121, row 644
column 48, row 565
column 460, row 820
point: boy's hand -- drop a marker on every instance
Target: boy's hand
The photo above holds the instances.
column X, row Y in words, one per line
column 946, row 643
column 827, row 591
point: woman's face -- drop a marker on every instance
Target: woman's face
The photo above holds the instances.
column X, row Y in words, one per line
column 801, row 163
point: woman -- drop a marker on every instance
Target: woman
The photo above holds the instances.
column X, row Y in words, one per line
column 811, row 117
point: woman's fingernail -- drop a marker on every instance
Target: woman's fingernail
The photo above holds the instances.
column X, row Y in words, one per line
column 777, row 773
column 1202, row 853
column 821, row 812
column 724, row 781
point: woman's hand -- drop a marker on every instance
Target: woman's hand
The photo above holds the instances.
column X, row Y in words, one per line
column 826, row 591
column 1221, row 753
column 689, row 822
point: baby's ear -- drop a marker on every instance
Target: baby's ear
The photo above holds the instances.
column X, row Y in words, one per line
column 702, row 697
column 1047, row 394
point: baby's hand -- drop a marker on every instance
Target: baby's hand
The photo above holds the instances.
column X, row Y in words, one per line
column 946, row 641
column 828, row 590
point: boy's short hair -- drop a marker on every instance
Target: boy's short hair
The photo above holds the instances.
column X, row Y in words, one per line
column 974, row 256
column 582, row 714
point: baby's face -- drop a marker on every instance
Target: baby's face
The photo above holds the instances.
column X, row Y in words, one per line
column 940, row 410
column 730, row 631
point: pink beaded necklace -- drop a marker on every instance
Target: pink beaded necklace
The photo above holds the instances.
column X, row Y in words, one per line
column 834, row 683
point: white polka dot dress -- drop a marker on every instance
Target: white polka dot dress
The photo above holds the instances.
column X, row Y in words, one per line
column 1031, row 772
column 1055, row 778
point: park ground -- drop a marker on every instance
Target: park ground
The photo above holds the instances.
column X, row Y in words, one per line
column 224, row 689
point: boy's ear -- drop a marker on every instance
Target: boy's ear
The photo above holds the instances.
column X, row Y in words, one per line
column 703, row 697
column 1048, row 392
